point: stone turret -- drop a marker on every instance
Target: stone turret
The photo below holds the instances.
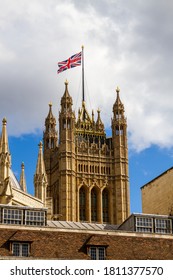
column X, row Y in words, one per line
column 50, row 136
column 120, row 149
column 40, row 177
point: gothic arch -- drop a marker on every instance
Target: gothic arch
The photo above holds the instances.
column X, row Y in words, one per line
column 82, row 203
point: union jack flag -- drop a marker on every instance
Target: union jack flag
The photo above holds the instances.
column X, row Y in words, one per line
column 73, row 61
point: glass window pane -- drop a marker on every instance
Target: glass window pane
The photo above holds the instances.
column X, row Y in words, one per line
column 35, row 218
column 163, row 226
column 25, row 248
column 93, row 253
column 16, row 249
column 101, row 253
column 97, row 253
column 12, row 216
column 144, row 224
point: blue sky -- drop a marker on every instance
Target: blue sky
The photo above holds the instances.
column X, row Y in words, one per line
column 126, row 43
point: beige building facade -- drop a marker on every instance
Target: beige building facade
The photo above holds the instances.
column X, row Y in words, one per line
column 87, row 172
column 157, row 195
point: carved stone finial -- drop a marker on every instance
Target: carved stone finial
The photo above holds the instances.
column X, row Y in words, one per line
column 40, row 145
column 117, row 89
column 4, row 121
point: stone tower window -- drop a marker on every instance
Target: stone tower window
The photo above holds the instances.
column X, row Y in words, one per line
column 94, row 205
column 105, row 203
column 119, row 130
column 82, row 204
column 118, row 115
column 64, row 124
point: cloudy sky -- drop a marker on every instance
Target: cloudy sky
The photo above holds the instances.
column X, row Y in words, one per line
column 128, row 43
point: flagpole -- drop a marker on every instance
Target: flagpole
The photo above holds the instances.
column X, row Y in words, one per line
column 83, row 93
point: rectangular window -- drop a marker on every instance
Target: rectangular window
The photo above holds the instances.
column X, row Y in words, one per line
column 34, row 218
column 163, row 226
column 12, row 216
column 20, row 249
column 144, row 224
column 97, row 253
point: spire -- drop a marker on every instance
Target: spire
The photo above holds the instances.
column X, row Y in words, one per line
column 40, row 169
column 4, row 138
column 99, row 123
column 66, row 98
column 22, row 178
column 5, row 157
column 118, row 107
column 50, row 114
column 40, row 177
column 50, row 117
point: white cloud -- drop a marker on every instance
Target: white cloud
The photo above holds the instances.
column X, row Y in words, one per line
column 127, row 43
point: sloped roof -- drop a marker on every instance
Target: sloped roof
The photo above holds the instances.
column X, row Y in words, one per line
column 13, row 179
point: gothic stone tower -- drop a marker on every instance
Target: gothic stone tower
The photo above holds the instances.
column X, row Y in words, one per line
column 87, row 172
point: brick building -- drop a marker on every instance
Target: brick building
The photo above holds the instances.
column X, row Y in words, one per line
column 90, row 242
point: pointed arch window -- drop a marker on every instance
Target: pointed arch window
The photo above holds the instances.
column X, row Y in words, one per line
column 94, row 205
column 64, row 123
column 82, row 204
column 105, row 205
column 117, row 130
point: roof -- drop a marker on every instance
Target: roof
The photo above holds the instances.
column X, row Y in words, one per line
column 14, row 181
column 169, row 169
column 81, row 225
